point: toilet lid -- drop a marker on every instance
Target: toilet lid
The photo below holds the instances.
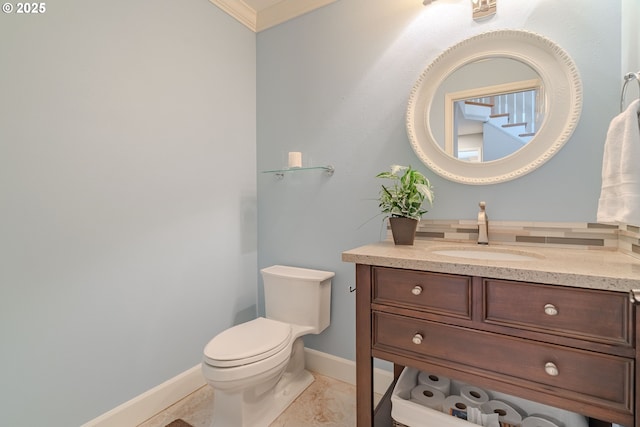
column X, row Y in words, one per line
column 248, row 342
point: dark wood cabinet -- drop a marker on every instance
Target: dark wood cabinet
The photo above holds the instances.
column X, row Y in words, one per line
column 568, row 347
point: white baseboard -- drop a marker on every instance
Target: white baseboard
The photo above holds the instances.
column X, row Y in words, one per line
column 344, row 369
column 151, row 402
column 156, row 400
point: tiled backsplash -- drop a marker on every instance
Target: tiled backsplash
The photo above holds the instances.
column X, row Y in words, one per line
column 577, row 235
column 629, row 240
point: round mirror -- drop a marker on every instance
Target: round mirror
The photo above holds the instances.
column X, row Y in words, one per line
column 494, row 107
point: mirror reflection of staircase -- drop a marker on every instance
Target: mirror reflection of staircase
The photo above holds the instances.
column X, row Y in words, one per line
column 477, row 111
column 495, row 126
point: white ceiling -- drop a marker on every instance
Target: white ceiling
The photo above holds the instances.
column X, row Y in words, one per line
column 259, row 15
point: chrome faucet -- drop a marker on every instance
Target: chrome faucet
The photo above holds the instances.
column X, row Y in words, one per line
column 483, row 225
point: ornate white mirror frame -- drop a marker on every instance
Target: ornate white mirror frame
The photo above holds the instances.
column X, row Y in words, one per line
column 562, row 105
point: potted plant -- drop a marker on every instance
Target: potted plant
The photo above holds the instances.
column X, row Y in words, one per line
column 403, row 201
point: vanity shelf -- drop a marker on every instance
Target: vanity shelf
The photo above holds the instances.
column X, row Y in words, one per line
column 413, row 311
column 329, row 170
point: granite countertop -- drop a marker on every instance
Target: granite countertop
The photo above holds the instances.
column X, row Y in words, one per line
column 583, row 268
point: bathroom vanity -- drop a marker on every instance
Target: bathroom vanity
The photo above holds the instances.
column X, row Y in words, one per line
column 556, row 326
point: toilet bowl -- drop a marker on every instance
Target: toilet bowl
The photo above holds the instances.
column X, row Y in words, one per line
column 257, row 368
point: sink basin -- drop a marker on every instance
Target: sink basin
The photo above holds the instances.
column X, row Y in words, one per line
column 488, row 254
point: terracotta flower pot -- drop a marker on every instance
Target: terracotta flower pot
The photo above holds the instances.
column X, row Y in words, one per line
column 403, row 230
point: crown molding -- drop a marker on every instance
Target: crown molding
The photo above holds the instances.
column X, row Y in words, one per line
column 240, row 11
column 287, row 9
column 259, row 20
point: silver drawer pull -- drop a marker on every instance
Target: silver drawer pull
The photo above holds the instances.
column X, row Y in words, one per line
column 417, row 290
column 417, row 339
column 551, row 369
column 550, row 310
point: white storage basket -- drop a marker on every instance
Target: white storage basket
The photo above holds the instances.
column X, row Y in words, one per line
column 406, row 413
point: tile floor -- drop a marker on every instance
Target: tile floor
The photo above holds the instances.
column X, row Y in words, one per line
column 325, row 403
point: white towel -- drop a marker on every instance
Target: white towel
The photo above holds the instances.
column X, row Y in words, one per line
column 620, row 196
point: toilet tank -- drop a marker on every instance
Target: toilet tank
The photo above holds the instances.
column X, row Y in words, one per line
column 300, row 296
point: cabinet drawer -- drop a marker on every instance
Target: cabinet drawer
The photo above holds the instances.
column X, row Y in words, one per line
column 432, row 292
column 594, row 315
column 590, row 377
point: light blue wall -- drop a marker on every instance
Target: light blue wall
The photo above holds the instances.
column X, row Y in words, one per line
column 334, row 84
column 631, row 41
column 127, row 199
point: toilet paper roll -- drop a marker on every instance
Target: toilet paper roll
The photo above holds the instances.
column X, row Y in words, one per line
column 456, row 406
column 427, row 396
column 540, row 420
column 434, row 381
column 475, row 416
column 475, row 396
column 507, row 415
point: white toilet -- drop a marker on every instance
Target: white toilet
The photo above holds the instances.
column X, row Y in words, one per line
column 257, row 368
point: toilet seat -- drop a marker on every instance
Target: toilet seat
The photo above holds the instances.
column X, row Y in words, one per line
column 247, row 343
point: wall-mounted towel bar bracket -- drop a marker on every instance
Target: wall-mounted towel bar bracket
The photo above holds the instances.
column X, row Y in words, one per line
column 627, row 78
column 279, row 173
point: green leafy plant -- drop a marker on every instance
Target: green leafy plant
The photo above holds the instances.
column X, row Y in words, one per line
column 406, row 196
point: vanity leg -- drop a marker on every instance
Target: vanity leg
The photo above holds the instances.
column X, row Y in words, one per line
column 397, row 370
column 364, row 359
column 636, row 406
